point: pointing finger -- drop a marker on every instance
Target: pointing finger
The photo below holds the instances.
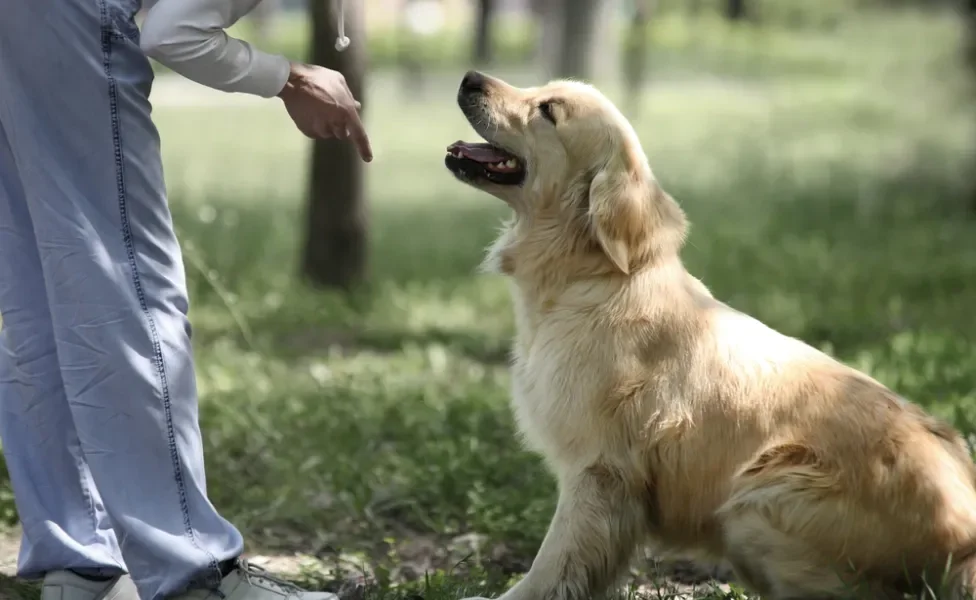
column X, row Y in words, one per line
column 359, row 137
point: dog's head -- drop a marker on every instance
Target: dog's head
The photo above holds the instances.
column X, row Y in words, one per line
column 571, row 167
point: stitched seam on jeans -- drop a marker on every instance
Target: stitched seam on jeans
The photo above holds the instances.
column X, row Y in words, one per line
column 86, row 493
column 107, row 39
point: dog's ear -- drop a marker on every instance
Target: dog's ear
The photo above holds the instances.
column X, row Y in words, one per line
column 633, row 219
column 619, row 205
column 615, row 213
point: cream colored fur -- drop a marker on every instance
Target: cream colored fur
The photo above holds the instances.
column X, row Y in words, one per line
column 669, row 417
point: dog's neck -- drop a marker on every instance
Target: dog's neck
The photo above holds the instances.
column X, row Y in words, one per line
column 544, row 278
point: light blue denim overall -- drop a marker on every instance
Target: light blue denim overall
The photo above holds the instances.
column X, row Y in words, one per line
column 98, row 401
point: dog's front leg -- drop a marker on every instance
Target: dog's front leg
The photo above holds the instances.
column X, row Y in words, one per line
column 599, row 519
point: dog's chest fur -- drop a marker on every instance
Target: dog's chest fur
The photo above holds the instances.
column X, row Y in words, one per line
column 557, row 381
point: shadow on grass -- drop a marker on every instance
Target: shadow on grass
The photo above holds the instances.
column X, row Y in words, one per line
column 472, row 345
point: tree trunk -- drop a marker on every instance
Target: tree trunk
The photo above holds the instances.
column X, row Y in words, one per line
column 336, row 225
column 636, row 54
column 409, row 59
column 969, row 9
column 482, row 53
column 735, row 10
column 576, row 46
column 538, row 9
column 580, row 39
column 969, row 12
column 607, row 45
column 549, row 16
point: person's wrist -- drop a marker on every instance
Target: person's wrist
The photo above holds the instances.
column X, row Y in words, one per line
column 296, row 79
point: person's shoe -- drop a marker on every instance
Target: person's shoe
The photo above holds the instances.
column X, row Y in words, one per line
column 250, row 582
column 66, row 585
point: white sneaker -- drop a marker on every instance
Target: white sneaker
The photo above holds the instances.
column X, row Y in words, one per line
column 65, row 585
column 250, row 582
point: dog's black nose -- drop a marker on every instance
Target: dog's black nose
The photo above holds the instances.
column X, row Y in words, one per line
column 473, row 83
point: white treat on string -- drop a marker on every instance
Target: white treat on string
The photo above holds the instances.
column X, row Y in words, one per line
column 342, row 42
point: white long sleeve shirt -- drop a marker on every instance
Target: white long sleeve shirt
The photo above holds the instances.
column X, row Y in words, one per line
column 189, row 37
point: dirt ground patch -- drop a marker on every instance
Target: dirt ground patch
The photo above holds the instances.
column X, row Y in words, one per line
column 9, row 547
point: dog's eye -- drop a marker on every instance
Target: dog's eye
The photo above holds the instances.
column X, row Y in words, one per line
column 546, row 109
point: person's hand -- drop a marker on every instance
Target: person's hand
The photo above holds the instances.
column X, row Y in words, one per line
column 321, row 105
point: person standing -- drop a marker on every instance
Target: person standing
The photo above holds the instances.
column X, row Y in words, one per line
column 98, row 400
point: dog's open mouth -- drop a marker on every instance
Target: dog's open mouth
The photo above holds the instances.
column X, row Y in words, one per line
column 484, row 162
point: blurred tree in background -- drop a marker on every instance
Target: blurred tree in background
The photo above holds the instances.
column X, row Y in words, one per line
column 481, row 53
column 583, row 40
column 578, row 37
column 969, row 13
column 735, row 10
column 335, row 251
column 636, row 53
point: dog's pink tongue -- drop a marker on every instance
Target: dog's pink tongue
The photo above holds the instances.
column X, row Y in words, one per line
column 485, row 153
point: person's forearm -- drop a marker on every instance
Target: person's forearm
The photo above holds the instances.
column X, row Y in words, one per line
column 188, row 37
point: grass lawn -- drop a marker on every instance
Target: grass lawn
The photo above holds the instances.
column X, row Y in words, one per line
column 827, row 189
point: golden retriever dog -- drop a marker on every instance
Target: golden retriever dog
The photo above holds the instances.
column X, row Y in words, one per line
column 667, row 416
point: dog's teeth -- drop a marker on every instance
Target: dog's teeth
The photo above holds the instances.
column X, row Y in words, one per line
column 511, row 163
